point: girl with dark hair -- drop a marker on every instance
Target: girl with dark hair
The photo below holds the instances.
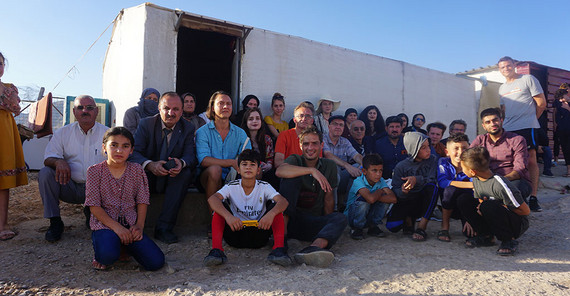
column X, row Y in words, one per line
column 116, row 192
column 260, row 141
column 147, row 106
column 189, row 111
column 417, row 122
column 274, row 122
column 12, row 166
column 373, row 121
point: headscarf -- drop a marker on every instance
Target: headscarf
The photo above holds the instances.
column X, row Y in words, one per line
column 146, row 107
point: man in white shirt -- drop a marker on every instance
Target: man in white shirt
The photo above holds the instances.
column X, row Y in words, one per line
column 72, row 149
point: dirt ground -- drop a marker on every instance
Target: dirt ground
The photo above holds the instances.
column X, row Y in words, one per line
column 393, row 265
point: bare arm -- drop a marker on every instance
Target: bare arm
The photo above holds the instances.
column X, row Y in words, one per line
column 540, row 101
column 351, row 170
column 280, row 205
column 329, row 202
column 462, row 184
column 62, row 169
column 273, row 130
column 123, row 233
column 522, row 210
column 279, row 159
column 292, row 171
column 225, row 163
column 215, row 202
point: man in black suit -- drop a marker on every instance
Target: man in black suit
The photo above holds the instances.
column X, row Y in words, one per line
column 164, row 146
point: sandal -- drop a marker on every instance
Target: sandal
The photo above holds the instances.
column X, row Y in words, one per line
column 407, row 230
column 98, row 266
column 7, row 234
column 443, row 235
column 509, row 248
column 419, row 235
column 479, row 241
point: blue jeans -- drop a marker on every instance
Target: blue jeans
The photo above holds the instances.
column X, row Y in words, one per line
column 107, row 246
column 362, row 214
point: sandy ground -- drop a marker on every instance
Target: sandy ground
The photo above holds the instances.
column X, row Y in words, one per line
column 393, row 265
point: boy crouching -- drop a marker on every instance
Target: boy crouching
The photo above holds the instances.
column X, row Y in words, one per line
column 368, row 199
column 498, row 208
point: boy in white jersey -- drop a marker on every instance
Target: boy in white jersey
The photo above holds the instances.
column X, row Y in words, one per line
column 242, row 200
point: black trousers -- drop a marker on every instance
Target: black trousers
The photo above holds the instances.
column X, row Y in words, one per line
column 495, row 219
column 414, row 205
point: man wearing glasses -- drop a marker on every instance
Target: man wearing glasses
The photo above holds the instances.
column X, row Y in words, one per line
column 72, row 149
column 391, row 146
column 456, row 127
column 288, row 141
column 356, row 131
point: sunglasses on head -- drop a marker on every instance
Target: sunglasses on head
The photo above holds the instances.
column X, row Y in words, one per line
column 88, row 107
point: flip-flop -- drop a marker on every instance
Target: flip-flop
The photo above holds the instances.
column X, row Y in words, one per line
column 510, row 246
column 7, row 234
column 98, row 266
column 445, row 234
column 421, row 233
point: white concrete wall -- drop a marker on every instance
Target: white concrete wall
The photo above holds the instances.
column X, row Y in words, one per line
column 124, row 62
column 302, row 69
column 141, row 54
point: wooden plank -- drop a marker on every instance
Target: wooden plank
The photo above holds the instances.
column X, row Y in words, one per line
column 558, row 72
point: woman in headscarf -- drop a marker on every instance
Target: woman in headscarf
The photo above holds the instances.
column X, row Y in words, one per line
column 350, row 115
column 189, row 111
column 147, row 106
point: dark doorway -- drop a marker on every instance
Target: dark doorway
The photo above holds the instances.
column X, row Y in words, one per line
column 204, row 64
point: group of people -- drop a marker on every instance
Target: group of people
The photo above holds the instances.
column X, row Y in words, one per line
column 307, row 179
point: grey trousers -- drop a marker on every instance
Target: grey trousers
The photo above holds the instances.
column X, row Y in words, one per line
column 52, row 192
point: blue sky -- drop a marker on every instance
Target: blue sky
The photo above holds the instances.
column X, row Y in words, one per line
column 42, row 40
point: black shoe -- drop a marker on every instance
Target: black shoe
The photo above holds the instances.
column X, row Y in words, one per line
column 314, row 256
column 165, row 236
column 533, row 204
column 87, row 212
column 356, row 234
column 279, row 256
column 215, row 257
column 376, row 232
column 55, row 230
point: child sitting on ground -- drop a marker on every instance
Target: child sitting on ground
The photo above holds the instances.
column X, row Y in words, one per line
column 498, row 208
column 368, row 199
column 453, row 182
column 245, row 200
column 116, row 191
column 414, row 183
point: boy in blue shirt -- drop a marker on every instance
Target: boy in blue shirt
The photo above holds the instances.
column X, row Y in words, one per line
column 368, row 198
column 453, row 182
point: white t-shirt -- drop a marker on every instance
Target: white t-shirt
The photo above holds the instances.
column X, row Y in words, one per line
column 248, row 207
column 520, row 107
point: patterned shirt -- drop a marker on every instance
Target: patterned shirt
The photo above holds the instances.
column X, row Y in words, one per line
column 118, row 197
column 343, row 148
